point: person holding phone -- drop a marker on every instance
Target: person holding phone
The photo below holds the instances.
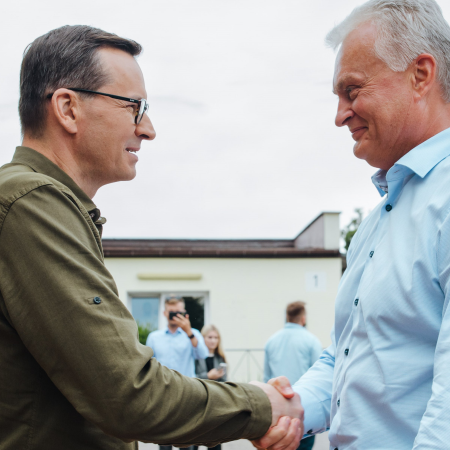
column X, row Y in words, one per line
column 178, row 345
column 214, row 367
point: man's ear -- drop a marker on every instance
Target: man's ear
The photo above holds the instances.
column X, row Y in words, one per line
column 66, row 107
column 424, row 74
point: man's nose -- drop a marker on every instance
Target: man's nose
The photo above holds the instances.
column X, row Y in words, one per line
column 344, row 114
column 145, row 129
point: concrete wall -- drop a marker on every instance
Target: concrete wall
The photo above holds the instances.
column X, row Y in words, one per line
column 247, row 297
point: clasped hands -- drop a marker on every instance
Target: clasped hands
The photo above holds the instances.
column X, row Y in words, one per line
column 287, row 416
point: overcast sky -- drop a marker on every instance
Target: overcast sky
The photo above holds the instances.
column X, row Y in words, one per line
column 240, row 97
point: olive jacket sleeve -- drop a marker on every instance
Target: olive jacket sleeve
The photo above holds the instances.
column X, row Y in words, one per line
column 63, row 303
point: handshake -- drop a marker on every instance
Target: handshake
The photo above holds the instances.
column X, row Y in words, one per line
column 286, row 430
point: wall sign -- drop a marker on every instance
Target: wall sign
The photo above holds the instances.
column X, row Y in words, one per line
column 316, row 281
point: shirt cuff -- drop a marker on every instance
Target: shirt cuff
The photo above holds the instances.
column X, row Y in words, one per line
column 261, row 418
column 315, row 416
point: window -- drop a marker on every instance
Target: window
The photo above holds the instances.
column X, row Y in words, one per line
column 195, row 307
column 145, row 311
column 148, row 310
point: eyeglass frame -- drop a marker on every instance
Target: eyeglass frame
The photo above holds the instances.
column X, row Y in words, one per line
column 142, row 103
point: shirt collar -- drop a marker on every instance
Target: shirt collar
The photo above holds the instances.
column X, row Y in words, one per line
column 179, row 330
column 292, row 325
column 40, row 164
column 420, row 160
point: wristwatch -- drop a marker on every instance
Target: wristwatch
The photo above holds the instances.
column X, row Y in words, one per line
column 192, row 336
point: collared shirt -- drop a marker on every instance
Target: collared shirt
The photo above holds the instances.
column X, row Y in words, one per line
column 73, row 374
column 385, row 380
column 175, row 350
column 290, row 352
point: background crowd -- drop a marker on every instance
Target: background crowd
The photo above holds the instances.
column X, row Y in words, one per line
column 290, row 352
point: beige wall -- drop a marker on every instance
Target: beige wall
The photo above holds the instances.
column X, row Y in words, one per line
column 247, row 297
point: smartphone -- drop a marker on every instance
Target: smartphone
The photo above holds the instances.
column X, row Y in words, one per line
column 223, row 366
column 172, row 314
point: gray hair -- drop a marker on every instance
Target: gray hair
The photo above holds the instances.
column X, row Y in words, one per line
column 405, row 29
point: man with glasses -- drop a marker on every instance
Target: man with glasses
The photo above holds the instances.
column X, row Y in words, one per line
column 73, row 374
column 178, row 345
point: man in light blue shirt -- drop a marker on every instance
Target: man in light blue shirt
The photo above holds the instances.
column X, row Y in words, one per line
column 291, row 351
column 178, row 345
column 384, row 383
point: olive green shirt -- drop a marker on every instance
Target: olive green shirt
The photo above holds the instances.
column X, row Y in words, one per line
column 73, row 374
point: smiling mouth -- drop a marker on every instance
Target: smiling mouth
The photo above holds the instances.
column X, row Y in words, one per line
column 132, row 150
column 357, row 129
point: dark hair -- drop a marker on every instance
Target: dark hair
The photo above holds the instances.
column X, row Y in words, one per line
column 64, row 57
column 295, row 310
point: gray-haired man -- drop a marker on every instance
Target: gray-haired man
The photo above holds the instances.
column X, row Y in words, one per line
column 384, row 382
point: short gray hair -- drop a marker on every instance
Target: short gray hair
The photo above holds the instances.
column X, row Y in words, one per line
column 405, row 29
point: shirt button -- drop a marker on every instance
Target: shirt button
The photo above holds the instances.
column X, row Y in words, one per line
column 388, row 208
column 97, row 300
column 339, row 402
column 371, row 254
column 356, row 302
column 346, row 351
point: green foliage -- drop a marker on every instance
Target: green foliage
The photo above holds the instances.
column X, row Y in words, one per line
column 144, row 331
column 349, row 231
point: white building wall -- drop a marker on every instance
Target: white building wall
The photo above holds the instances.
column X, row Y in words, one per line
column 247, row 297
column 332, row 232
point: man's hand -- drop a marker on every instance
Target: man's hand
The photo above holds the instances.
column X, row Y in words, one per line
column 283, row 386
column 184, row 323
column 285, row 432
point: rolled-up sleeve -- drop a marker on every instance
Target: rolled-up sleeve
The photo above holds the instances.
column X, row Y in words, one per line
column 63, row 303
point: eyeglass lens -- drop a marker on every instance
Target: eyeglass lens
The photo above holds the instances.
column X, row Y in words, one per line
column 142, row 110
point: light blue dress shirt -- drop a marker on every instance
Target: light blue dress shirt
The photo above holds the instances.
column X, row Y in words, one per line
column 175, row 350
column 290, row 352
column 384, row 383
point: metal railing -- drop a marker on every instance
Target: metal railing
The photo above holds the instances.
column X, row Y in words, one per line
column 247, row 367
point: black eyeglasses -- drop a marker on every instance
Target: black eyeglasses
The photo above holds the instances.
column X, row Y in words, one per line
column 142, row 103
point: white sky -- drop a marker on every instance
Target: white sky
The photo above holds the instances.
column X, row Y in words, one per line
column 240, row 97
